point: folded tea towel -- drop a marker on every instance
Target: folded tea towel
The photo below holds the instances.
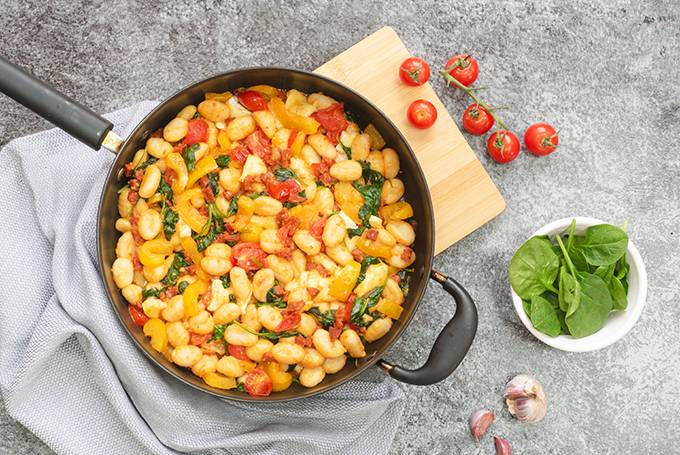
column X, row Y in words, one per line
column 70, row 373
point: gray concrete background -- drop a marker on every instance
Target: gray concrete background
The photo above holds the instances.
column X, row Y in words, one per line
column 606, row 74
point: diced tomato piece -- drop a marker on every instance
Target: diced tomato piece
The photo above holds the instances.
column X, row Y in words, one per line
column 313, row 291
column 268, row 357
column 286, row 191
column 133, row 197
column 284, row 158
column 259, row 144
column 137, row 315
column 157, row 133
column 252, row 100
column 169, row 292
column 248, row 256
column 358, row 255
column 322, row 172
column 303, row 341
column 208, row 194
column 316, row 228
column 227, row 237
column 169, row 176
column 294, row 306
column 258, row 383
column 334, row 332
column 136, row 264
column 333, row 120
column 291, row 138
column 197, row 339
column 237, row 351
column 406, row 254
column 180, row 147
column 239, row 154
column 198, row 132
column 290, row 321
column 318, row 267
column 287, row 230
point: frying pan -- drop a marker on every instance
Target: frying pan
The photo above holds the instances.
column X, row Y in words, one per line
column 453, row 341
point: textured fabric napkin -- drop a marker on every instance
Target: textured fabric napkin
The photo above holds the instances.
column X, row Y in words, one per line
column 71, row 375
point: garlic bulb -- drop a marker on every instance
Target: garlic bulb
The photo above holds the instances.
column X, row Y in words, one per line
column 525, row 398
column 502, row 446
column 479, row 423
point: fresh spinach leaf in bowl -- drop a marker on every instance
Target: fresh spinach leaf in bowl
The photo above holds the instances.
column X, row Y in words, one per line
column 570, row 284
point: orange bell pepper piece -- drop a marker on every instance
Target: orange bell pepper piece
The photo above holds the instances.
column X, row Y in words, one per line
column 152, row 253
column 298, row 142
column 374, row 248
column 268, row 90
column 189, row 214
column 205, row 165
column 191, row 295
column 155, row 329
column 397, row 211
column 289, row 120
column 345, row 280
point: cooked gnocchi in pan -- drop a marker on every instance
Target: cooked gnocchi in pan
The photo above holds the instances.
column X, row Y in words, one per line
column 262, row 238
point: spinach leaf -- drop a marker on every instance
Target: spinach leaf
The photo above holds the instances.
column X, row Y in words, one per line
column 273, row 299
column 148, row 162
column 544, row 316
column 570, row 237
column 223, row 161
column 576, row 255
column 405, row 284
column 212, row 228
column 347, row 150
column 604, row 244
column 151, row 292
column 606, row 272
column 325, row 318
column 266, row 334
column 190, row 156
column 233, row 207
column 619, row 294
column 368, row 260
column 363, row 304
column 213, row 182
column 622, row 268
column 534, row 268
column 570, row 292
column 283, row 173
column 218, row 332
column 170, row 218
column 182, row 286
column 256, row 195
column 353, row 232
column 165, row 190
column 178, row 262
column 226, row 281
column 526, row 304
column 240, row 387
column 593, row 309
column 371, row 192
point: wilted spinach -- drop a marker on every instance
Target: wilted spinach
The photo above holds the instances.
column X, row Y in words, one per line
column 353, row 232
column 363, row 304
column 223, row 161
column 325, row 318
column 190, row 157
column 371, row 192
column 178, row 262
column 283, row 173
column 368, row 260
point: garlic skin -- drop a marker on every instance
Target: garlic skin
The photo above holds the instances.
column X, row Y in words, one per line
column 502, row 446
column 526, row 399
column 480, row 421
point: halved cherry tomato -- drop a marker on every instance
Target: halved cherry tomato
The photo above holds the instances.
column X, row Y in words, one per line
column 476, row 120
column 414, row 71
column 541, row 139
column 466, row 69
column 286, row 191
column 198, row 132
column 333, row 120
column 239, row 154
column 252, row 100
column 248, row 256
column 259, row 144
column 137, row 315
column 197, row 339
column 290, row 321
column 503, row 146
column 258, row 383
column 237, row 351
column 422, row 114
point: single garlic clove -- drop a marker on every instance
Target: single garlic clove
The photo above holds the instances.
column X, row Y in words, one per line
column 525, row 398
column 502, row 446
column 479, row 422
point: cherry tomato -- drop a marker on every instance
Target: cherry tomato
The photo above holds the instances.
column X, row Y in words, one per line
column 476, row 120
column 258, row 383
column 289, row 321
column 239, row 154
column 198, row 132
column 237, row 351
column 503, row 146
column 422, row 114
column 197, row 339
column 333, row 120
column 286, row 191
column 137, row 315
column 414, row 71
column 252, row 100
column 541, row 139
column 466, row 71
column 248, row 256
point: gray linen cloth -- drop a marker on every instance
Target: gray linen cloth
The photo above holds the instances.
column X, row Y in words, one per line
column 69, row 372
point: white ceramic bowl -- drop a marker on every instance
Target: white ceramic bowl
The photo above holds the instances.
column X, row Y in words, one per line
column 619, row 322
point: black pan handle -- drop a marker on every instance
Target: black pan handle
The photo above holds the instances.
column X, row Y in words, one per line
column 451, row 345
column 72, row 117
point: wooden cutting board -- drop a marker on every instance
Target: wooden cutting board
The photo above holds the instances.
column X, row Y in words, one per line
column 463, row 194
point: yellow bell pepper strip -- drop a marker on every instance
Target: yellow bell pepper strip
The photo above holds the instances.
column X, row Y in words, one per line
column 219, row 381
column 377, row 141
column 190, row 297
column 345, row 280
column 155, row 329
column 155, row 198
column 268, row 90
column 175, row 162
column 152, row 253
column 188, row 212
column 389, row 308
column 298, row 142
column 224, row 97
column 251, row 233
column 306, row 213
column 397, row 211
column 373, row 247
column 191, row 249
column 289, row 120
column 223, row 141
column 246, row 208
column 281, row 380
column 205, row 166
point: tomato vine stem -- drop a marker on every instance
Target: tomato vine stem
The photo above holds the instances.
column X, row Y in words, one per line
column 471, row 93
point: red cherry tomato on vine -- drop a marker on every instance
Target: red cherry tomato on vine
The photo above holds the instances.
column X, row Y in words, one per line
column 541, row 139
column 466, row 70
column 477, row 120
column 252, row 100
column 422, row 114
column 414, row 71
column 503, row 146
